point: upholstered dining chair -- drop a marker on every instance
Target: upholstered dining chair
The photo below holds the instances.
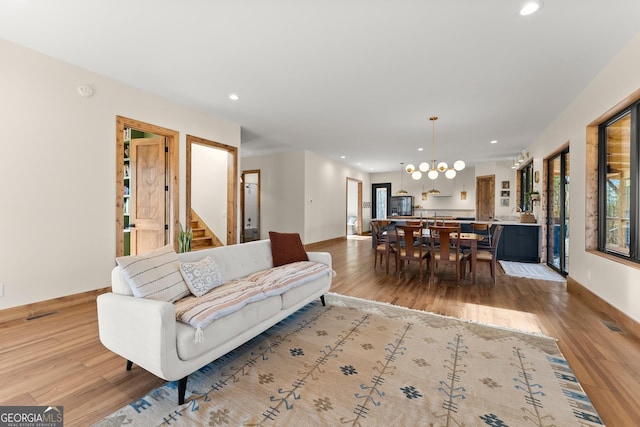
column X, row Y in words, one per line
column 409, row 248
column 444, row 249
column 383, row 243
column 488, row 255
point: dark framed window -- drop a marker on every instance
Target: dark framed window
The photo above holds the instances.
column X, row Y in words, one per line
column 618, row 172
column 526, row 187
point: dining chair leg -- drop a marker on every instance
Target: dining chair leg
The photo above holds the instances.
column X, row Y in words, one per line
column 493, row 270
column 432, row 272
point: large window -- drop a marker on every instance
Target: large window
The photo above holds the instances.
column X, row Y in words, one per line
column 618, row 171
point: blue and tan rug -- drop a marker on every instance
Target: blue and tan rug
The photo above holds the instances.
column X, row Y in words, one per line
column 361, row 363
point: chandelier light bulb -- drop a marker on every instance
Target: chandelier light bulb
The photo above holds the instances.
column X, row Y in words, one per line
column 443, row 166
column 433, row 174
column 459, row 165
column 424, row 167
column 409, row 168
column 450, row 173
column 531, row 7
column 416, row 175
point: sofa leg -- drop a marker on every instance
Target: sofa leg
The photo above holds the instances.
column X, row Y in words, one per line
column 182, row 389
column 322, row 299
column 129, row 365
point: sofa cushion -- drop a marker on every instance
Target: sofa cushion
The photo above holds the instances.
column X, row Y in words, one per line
column 232, row 296
column 286, row 248
column 225, row 329
column 155, row 275
column 201, row 276
column 235, row 261
column 278, row 280
column 300, row 293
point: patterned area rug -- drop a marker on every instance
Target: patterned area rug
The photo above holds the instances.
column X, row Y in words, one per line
column 361, row 363
column 530, row 271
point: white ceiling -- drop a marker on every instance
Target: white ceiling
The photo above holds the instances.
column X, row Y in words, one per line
column 358, row 78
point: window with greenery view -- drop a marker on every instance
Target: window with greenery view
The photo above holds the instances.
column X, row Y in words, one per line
column 618, row 184
column 526, row 187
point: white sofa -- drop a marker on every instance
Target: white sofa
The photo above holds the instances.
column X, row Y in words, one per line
column 146, row 332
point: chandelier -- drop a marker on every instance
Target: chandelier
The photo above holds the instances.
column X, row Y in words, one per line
column 433, row 170
column 522, row 156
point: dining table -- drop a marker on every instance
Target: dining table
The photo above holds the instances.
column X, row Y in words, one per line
column 466, row 239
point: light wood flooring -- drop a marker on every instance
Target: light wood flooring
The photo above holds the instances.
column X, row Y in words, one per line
column 58, row 359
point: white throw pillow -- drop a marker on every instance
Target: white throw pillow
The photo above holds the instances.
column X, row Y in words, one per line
column 155, row 275
column 201, row 276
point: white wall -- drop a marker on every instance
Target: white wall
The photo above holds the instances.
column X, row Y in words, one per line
column 326, row 197
column 209, row 187
column 616, row 283
column 281, row 191
column 305, row 193
column 57, row 218
column 502, row 171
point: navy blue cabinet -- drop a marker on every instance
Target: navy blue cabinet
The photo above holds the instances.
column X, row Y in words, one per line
column 520, row 243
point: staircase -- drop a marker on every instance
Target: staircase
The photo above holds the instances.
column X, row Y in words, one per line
column 200, row 239
column 203, row 237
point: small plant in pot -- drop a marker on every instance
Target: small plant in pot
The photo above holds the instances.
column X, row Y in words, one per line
column 184, row 239
column 534, row 196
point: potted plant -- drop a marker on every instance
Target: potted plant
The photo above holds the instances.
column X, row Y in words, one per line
column 534, row 196
column 184, row 239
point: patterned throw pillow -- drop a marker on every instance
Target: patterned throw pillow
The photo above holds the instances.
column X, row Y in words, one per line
column 155, row 275
column 201, row 276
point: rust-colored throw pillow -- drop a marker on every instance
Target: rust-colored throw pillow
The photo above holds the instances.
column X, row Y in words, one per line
column 286, row 248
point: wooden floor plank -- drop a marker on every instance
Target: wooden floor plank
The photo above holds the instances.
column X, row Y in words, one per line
column 58, row 359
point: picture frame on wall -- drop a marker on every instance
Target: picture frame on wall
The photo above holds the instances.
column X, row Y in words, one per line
column 504, row 202
column 505, row 185
column 504, row 193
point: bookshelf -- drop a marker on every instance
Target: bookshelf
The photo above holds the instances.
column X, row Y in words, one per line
column 126, row 182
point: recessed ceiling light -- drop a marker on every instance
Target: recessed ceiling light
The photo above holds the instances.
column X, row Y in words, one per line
column 494, row 141
column 343, row 157
column 420, row 149
column 530, row 7
column 234, row 97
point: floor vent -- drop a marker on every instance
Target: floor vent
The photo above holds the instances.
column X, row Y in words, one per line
column 38, row 316
column 612, row 326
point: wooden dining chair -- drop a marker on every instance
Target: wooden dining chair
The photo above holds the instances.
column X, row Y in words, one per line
column 409, row 248
column 488, row 255
column 444, row 249
column 485, row 230
column 379, row 229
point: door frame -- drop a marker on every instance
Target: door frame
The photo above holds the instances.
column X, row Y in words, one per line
column 242, row 201
column 374, row 206
column 561, row 154
column 490, row 180
column 359, row 208
column 171, row 137
column 232, row 183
